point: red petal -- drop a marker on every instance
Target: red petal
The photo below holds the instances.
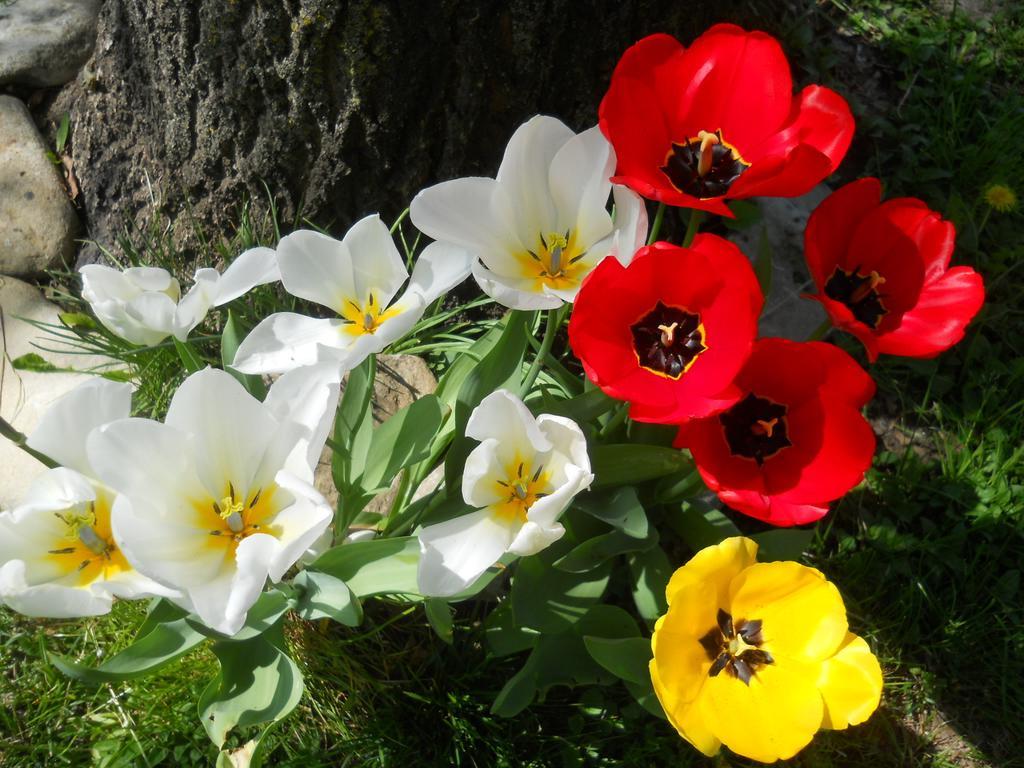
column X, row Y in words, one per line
column 939, row 320
column 832, row 224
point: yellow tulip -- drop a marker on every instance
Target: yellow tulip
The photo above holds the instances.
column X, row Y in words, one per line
column 758, row 656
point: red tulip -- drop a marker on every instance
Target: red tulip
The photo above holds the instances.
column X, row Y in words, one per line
column 796, row 441
column 882, row 271
column 669, row 332
column 694, row 127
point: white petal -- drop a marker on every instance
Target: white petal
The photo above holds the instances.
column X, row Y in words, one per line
column 300, row 524
column 523, row 174
column 579, row 178
column 567, row 440
column 316, row 267
column 630, row 223
column 194, row 305
column 484, row 468
column 439, row 268
column 454, row 553
column 230, row 429
column 51, row 601
column 503, row 417
column 462, row 212
column 62, row 431
column 151, row 313
column 377, row 265
column 308, row 397
column 256, row 266
column 285, row 341
column 223, row 602
column 101, row 284
column 532, row 538
column 153, row 279
column 517, row 293
column 145, row 459
column 545, row 511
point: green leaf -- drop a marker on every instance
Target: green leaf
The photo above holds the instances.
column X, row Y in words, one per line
column 401, row 441
column 504, row 636
column 651, row 571
column 258, row 683
column 646, row 697
column 33, row 362
column 374, row 567
column 517, row 694
column 620, row 508
column 230, row 340
column 783, row 543
column 701, row 525
column 63, row 130
column 629, row 463
column 626, row 658
column 598, row 549
column 264, row 613
column 551, row 601
column 439, row 614
column 451, row 381
column 353, row 426
column 325, row 597
column 585, row 408
column 164, row 642
column 502, row 367
column 678, row 487
column 189, row 357
column 77, row 320
column 763, row 266
column 747, row 213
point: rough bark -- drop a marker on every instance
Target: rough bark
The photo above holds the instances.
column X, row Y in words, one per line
column 342, row 108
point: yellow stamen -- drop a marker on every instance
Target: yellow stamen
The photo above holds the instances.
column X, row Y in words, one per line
column 707, row 143
column 668, row 334
column 874, row 280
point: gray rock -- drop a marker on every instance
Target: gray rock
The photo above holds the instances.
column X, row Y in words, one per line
column 37, row 223
column 26, row 395
column 45, row 42
column 785, row 313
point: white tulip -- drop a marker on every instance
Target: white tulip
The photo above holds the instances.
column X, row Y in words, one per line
column 542, row 225
column 144, row 305
column 521, row 477
column 58, row 557
column 356, row 278
column 220, row 497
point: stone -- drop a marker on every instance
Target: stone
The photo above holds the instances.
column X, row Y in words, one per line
column 783, row 220
column 37, row 223
column 400, row 381
column 45, row 42
column 340, row 109
column 26, row 395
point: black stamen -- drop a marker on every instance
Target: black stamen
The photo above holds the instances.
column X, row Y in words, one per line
column 741, row 669
column 719, row 664
column 65, row 551
column 725, row 624
column 255, row 499
column 537, row 473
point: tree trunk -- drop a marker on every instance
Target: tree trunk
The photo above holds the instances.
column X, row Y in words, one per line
column 341, row 108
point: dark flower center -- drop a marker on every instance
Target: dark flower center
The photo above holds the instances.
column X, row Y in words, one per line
column 734, row 647
column 755, row 428
column 704, row 166
column 859, row 293
column 667, row 340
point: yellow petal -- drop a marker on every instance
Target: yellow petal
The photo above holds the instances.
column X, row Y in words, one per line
column 687, row 719
column 717, row 564
column 803, row 614
column 850, row 684
column 771, row 719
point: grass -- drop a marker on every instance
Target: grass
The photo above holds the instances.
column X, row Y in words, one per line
column 928, row 552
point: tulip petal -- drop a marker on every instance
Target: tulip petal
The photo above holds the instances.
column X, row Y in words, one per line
column 513, row 292
column 454, row 553
column 850, row 684
column 463, row 212
column 532, row 538
column 579, row 178
column 438, row 269
column 51, row 601
column 308, row 397
column 255, row 266
column 716, row 566
column 299, row 525
column 286, row 340
column 223, row 601
column 504, row 417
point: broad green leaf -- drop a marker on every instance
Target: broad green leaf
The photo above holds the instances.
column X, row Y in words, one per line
column 619, row 508
column 189, row 357
column 325, row 597
column 504, row 636
column 33, row 362
column 500, row 368
column 264, row 613
column 585, row 408
column 450, row 383
column 402, row 440
column 258, row 683
column 646, row 697
column 517, row 694
column 353, row 425
column 783, row 543
column 374, row 567
column 700, row 525
column 628, row 463
column 164, row 643
column 678, row 487
column 650, row 571
column 439, row 614
column 598, row 549
column 626, row 658
column 551, row 601
column 230, row 340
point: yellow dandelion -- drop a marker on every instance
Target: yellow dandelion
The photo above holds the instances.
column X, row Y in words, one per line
column 1000, row 197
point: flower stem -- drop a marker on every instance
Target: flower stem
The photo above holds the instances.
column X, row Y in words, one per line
column 822, row 330
column 545, row 347
column 613, row 423
column 19, row 439
column 696, row 217
column 656, row 226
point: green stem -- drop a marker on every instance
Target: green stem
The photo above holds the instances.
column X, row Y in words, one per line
column 821, row 330
column 696, row 216
column 656, row 226
column 7, row 430
column 613, row 423
column 545, row 347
